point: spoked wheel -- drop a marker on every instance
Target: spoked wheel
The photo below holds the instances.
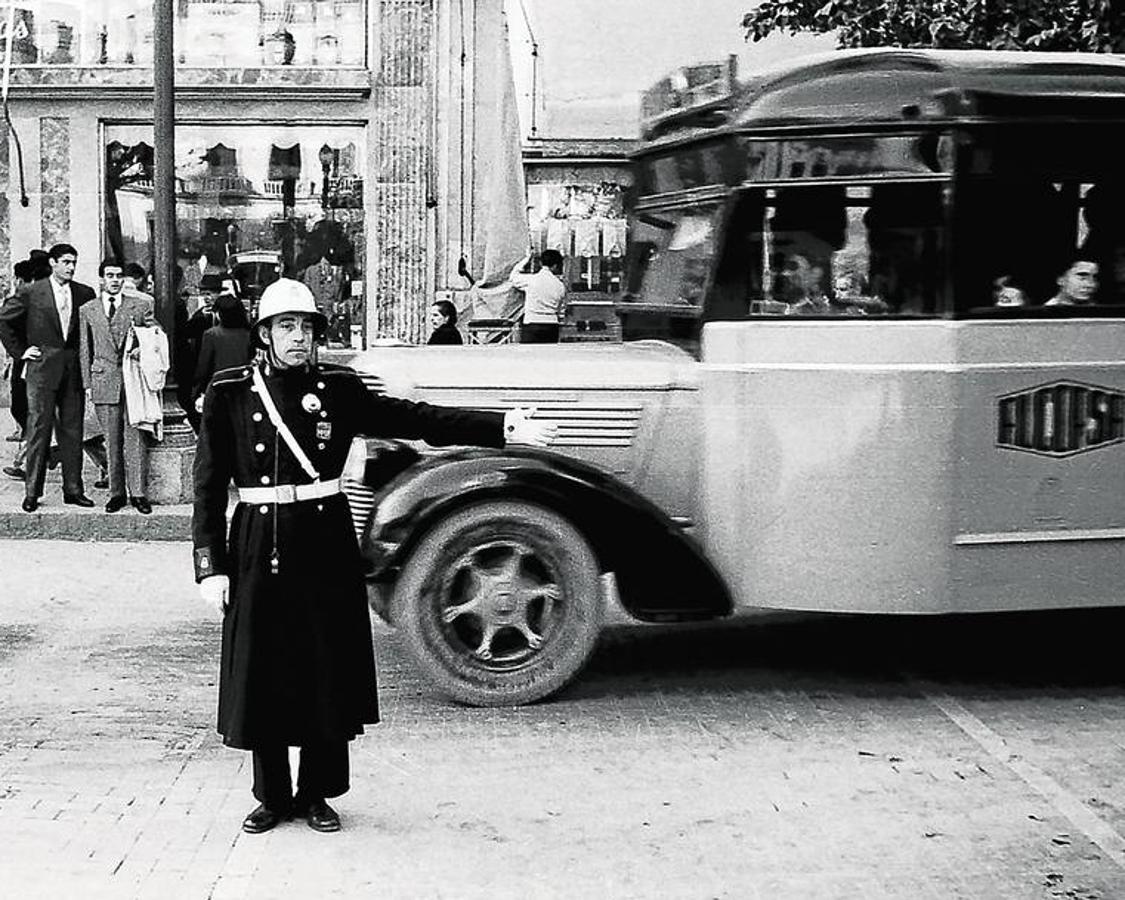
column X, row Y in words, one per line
column 499, row 604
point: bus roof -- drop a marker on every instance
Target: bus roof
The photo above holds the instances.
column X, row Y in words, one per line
column 893, row 85
column 888, row 86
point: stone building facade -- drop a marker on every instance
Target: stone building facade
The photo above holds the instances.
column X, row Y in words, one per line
column 334, row 133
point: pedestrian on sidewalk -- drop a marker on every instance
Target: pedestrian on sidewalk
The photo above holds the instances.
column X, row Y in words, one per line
column 39, row 324
column 298, row 665
column 104, row 327
column 223, row 346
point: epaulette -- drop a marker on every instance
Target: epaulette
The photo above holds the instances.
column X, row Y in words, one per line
column 334, row 369
column 233, row 375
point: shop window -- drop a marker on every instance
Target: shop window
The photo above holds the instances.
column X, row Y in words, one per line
column 586, row 224
column 252, row 202
column 209, row 33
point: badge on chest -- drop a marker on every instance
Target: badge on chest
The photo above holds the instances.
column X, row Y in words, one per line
column 323, row 431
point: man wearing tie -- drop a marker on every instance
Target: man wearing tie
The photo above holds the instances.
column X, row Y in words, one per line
column 103, row 327
column 39, row 324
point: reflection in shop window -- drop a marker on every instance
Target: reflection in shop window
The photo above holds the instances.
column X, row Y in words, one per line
column 252, row 201
column 234, row 33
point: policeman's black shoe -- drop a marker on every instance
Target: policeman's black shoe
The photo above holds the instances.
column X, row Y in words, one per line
column 101, row 484
column 321, row 816
column 15, row 472
column 141, row 505
column 262, row 819
column 77, row 500
column 30, row 504
column 113, row 504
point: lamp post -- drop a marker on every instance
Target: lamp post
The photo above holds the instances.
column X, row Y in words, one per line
column 170, row 462
column 327, row 157
column 164, row 176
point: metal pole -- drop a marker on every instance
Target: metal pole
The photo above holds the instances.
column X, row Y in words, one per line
column 164, row 177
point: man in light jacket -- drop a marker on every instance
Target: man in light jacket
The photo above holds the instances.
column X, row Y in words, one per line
column 104, row 327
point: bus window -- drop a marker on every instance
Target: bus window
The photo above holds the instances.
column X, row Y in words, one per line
column 819, row 250
column 1031, row 204
column 673, row 251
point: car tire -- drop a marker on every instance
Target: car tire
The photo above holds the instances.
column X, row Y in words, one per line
column 500, row 604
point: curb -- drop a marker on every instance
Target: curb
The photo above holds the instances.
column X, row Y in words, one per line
column 169, row 524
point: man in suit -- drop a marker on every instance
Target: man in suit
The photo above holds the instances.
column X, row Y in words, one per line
column 39, row 324
column 103, row 327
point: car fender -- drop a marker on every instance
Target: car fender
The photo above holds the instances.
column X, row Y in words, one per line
column 661, row 572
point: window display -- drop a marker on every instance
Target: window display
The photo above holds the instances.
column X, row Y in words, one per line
column 253, row 202
column 209, row 33
column 586, row 224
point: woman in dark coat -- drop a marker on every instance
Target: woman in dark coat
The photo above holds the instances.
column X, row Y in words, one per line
column 443, row 316
column 222, row 346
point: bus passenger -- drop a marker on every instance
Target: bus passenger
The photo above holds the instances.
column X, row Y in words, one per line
column 1005, row 292
column 1077, row 284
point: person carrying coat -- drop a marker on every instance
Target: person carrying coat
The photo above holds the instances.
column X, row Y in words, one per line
column 297, row 663
column 104, row 326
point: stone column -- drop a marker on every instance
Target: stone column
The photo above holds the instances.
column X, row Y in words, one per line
column 399, row 138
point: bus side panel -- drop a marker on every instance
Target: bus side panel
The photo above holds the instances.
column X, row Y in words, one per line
column 1040, row 494
column 827, row 486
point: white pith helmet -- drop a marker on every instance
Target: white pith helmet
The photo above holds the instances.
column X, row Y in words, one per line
column 288, row 296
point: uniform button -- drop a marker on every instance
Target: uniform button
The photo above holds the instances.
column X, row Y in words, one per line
column 324, row 414
column 254, row 388
column 261, row 448
column 263, row 509
column 320, row 446
column 320, row 385
column 265, row 479
column 320, row 507
column 257, row 417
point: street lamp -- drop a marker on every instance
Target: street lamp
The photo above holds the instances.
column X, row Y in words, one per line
column 327, row 158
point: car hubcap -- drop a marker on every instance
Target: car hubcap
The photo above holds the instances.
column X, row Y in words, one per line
column 499, row 602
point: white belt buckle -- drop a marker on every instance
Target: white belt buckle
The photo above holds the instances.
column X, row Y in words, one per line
column 286, row 493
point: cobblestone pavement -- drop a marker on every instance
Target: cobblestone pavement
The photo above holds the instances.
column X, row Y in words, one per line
column 789, row 758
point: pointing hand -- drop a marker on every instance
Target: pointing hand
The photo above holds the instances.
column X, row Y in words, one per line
column 520, row 427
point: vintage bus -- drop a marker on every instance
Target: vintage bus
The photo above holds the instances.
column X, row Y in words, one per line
column 872, row 362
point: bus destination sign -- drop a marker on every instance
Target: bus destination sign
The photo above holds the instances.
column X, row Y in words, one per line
column 1061, row 419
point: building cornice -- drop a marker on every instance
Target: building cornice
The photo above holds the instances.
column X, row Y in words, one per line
column 135, row 83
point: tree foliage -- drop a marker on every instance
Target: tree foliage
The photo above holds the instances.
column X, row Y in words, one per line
column 1090, row 25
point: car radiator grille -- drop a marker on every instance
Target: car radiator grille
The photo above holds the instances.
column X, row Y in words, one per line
column 579, row 425
column 584, row 424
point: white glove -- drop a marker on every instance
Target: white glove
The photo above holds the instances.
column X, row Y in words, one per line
column 214, row 589
column 521, row 428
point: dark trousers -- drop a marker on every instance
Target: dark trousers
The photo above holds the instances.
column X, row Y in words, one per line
column 43, row 402
column 323, row 773
column 539, row 333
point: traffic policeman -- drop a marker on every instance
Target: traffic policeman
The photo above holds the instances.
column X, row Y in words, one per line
column 297, row 663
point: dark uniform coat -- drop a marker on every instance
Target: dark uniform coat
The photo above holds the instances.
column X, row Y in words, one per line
column 297, row 662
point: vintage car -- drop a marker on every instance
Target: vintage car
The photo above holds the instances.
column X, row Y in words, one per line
column 819, row 403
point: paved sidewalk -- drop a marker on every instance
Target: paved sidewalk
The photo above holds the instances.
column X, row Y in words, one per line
column 55, row 520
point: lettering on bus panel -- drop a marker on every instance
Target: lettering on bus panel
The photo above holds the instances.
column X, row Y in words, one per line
column 843, row 157
column 1060, row 419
